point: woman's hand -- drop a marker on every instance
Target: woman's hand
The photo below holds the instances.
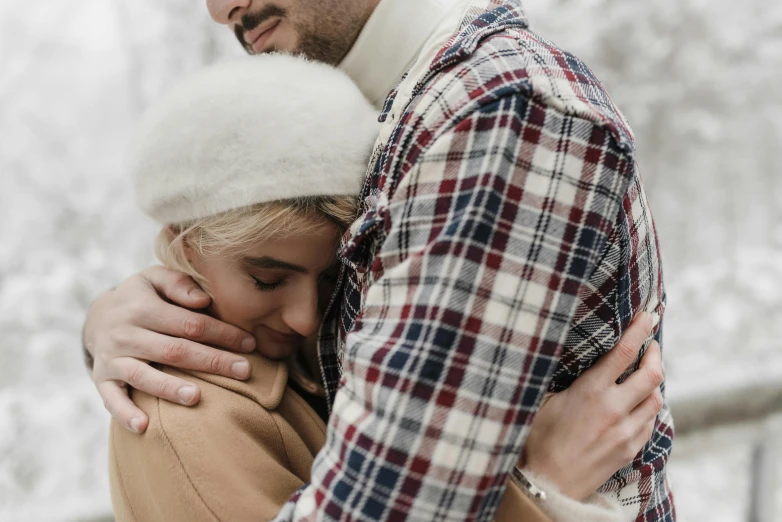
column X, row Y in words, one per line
column 147, row 318
column 585, row 434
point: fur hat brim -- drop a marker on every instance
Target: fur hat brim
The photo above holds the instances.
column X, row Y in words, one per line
column 253, row 130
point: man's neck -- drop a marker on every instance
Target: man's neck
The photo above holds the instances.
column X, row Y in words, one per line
column 390, row 42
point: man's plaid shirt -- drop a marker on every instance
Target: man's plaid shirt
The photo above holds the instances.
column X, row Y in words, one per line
column 505, row 242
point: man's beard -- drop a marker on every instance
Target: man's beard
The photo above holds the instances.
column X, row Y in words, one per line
column 325, row 38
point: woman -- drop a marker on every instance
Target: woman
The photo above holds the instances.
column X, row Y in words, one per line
column 251, row 168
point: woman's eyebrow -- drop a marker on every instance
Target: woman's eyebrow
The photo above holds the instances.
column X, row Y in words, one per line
column 267, row 262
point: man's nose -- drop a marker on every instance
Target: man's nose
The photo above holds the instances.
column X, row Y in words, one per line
column 227, row 11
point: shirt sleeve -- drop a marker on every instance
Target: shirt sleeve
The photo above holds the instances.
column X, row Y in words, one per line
column 495, row 226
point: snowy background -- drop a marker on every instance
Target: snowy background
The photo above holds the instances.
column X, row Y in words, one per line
column 701, row 83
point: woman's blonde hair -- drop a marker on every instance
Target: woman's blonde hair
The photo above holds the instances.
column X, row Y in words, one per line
column 238, row 231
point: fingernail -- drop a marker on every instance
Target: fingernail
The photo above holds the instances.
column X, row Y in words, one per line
column 135, row 425
column 655, row 319
column 248, row 344
column 197, row 293
column 647, row 318
column 186, row 394
column 241, row 370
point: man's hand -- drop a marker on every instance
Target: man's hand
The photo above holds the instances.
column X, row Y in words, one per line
column 149, row 318
column 585, row 434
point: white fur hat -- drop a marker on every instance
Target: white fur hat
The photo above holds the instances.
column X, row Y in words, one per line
column 257, row 129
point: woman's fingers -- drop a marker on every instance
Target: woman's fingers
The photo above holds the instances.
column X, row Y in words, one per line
column 613, row 364
column 643, row 420
column 636, row 429
column 644, row 381
column 116, row 401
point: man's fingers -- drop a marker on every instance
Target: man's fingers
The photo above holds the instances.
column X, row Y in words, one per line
column 179, row 288
column 116, row 401
column 613, row 364
column 179, row 322
column 644, row 381
column 188, row 355
column 144, row 377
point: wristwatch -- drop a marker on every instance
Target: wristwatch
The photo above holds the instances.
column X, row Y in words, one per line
column 525, row 484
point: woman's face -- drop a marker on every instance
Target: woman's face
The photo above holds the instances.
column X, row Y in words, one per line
column 277, row 290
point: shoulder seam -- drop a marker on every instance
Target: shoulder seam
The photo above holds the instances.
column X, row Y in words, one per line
column 524, row 87
column 531, row 98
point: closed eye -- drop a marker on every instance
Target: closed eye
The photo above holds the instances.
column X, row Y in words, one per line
column 265, row 286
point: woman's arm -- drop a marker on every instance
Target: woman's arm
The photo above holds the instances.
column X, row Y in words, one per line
column 585, row 434
column 598, row 507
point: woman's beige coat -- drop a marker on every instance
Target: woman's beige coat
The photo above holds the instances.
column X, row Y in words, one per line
column 236, row 456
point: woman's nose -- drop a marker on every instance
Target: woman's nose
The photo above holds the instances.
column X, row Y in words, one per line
column 302, row 314
column 227, row 11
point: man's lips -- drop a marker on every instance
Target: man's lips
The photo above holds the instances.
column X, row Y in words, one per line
column 258, row 38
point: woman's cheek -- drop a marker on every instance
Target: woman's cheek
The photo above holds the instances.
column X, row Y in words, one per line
column 235, row 302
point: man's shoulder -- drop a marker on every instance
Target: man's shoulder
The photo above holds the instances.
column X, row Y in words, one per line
column 497, row 55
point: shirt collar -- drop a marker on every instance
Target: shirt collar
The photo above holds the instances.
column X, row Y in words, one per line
column 390, row 42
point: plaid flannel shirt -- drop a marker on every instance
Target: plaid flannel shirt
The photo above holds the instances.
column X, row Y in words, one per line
column 504, row 244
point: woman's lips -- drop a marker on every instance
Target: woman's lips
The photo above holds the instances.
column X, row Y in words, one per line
column 259, row 44
column 282, row 337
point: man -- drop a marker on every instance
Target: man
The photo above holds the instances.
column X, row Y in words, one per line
column 505, row 242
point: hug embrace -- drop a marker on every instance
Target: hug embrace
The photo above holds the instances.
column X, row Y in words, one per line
column 410, row 273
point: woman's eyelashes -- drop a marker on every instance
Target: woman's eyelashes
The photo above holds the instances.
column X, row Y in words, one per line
column 265, row 286
column 271, row 283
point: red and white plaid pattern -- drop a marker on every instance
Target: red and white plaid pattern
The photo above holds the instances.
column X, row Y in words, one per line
column 505, row 243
